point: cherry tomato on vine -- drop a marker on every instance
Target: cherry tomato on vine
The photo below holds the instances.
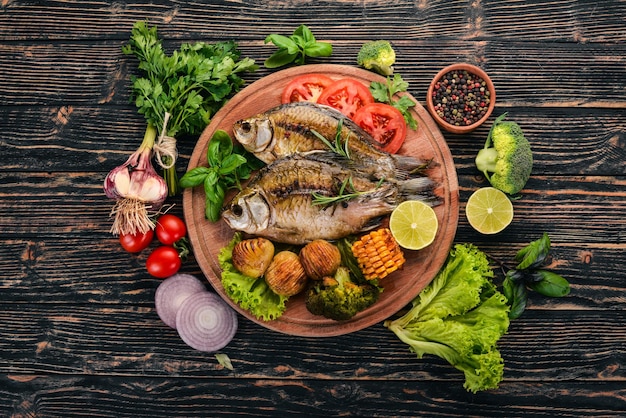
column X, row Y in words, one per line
column 170, row 228
column 134, row 243
column 307, row 87
column 385, row 123
column 346, row 95
column 163, row 262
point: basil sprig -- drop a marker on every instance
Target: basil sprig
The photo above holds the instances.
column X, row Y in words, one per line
column 296, row 48
column 530, row 274
column 227, row 166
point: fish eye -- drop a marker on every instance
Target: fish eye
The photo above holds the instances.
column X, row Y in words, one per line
column 246, row 126
column 237, row 210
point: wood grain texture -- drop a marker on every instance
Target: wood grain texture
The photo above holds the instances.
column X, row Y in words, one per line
column 78, row 331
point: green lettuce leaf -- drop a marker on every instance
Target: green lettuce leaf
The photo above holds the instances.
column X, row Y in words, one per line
column 459, row 316
column 253, row 295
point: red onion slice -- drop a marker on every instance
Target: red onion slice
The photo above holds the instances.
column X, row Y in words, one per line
column 205, row 322
column 171, row 294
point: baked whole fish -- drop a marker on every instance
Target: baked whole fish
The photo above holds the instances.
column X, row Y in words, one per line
column 278, row 203
column 289, row 129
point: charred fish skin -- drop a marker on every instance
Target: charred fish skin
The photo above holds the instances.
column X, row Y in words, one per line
column 288, row 129
column 278, row 203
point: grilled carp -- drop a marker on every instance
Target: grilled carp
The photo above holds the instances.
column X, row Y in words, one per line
column 290, row 128
column 296, row 200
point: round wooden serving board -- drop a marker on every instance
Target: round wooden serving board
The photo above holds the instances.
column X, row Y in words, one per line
column 399, row 288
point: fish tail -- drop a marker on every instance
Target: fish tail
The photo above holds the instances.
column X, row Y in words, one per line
column 419, row 188
column 408, row 166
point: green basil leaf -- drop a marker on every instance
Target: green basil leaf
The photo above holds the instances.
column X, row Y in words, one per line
column 534, row 254
column 279, row 58
column 552, row 285
column 515, row 275
column 299, row 41
column 517, row 296
column 212, row 210
column 282, row 42
column 319, row 49
column 305, row 33
column 224, row 142
column 231, row 162
column 211, row 179
column 194, row 177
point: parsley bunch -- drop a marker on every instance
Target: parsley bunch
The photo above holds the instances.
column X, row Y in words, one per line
column 190, row 85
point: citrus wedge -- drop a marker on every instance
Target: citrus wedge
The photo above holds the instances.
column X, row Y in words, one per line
column 489, row 210
column 413, row 224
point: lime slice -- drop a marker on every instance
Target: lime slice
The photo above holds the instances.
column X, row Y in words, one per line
column 413, row 224
column 489, row 210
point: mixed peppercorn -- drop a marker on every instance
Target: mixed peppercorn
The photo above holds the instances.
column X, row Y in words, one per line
column 461, row 98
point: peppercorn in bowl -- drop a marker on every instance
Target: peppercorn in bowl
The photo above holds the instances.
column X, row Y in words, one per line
column 460, row 98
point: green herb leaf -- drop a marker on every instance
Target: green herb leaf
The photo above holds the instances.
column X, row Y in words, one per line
column 227, row 166
column 279, row 58
column 224, row 361
column 534, row 254
column 319, row 49
column 283, row 42
column 339, row 146
column 517, row 296
column 296, row 48
column 384, row 93
column 552, row 285
column 230, row 163
column 194, row 177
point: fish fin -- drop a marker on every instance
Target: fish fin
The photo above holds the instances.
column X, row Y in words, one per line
column 408, row 166
column 373, row 223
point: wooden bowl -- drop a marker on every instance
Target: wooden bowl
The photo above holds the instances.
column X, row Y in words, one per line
column 399, row 288
column 462, row 129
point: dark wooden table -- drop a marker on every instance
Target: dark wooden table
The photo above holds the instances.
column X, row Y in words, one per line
column 78, row 332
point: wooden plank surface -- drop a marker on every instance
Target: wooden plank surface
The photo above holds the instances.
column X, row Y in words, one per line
column 78, row 332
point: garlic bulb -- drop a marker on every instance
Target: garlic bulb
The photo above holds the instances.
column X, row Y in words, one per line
column 137, row 189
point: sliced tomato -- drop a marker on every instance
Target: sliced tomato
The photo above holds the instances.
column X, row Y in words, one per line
column 346, row 95
column 305, row 88
column 385, row 123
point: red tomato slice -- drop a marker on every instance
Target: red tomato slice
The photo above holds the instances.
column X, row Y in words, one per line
column 346, row 95
column 385, row 123
column 307, row 87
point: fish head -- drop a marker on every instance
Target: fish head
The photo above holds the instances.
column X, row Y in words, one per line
column 255, row 134
column 248, row 212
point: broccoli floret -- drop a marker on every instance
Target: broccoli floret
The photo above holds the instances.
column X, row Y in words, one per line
column 339, row 297
column 508, row 163
column 378, row 56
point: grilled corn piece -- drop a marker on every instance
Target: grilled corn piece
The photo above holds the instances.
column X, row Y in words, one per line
column 378, row 254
